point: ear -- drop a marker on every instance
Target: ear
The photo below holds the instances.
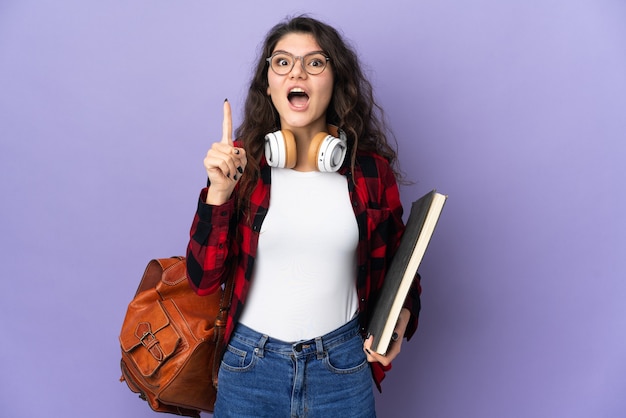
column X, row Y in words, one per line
column 269, row 93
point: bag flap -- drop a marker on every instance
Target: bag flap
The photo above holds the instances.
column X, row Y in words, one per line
column 174, row 272
column 156, row 269
column 148, row 338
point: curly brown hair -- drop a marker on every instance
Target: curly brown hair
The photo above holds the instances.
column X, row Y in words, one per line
column 352, row 107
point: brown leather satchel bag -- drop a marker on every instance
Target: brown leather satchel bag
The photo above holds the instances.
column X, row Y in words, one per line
column 172, row 340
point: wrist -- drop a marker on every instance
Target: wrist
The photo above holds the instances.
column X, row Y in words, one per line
column 217, row 197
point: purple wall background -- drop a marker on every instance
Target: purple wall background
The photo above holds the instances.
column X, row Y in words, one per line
column 515, row 109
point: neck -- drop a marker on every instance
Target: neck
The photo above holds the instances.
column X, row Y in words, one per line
column 303, row 137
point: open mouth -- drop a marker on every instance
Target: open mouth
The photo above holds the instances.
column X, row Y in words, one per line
column 297, row 97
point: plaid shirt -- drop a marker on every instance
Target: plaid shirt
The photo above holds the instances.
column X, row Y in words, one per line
column 374, row 194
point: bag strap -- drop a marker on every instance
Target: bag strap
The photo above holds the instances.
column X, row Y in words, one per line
column 220, row 324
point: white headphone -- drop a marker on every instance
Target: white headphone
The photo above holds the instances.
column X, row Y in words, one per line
column 326, row 151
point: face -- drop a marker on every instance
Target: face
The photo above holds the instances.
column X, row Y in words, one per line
column 301, row 99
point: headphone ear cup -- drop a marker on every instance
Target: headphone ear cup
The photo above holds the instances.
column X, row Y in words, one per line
column 280, row 149
column 327, row 152
column 291, row 154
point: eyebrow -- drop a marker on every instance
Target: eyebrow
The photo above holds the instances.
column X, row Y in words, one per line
column 308, row 53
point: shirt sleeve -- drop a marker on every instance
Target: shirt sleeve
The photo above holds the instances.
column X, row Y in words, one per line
column 209, row 245
column 413, row 304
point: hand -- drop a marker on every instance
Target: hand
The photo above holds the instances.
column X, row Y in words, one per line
column 394, row 346
column 224, row 163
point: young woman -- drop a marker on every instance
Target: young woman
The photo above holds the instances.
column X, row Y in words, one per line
column 304, row 209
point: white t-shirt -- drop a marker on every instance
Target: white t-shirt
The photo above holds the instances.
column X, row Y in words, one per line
column 303, row 283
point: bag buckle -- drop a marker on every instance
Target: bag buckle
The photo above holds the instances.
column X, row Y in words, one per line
column 150, row 341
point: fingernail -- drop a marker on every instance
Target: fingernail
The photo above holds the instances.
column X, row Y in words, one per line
column 368, row 335
column 225, row 100
column 240, row 170
column 236, row 151
column 368, row 351
column 394, row 336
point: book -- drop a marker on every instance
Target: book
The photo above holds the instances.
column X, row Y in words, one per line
column 423, row 217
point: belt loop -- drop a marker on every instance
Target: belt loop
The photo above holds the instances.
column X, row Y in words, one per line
column 260, row 346
column 319, row 345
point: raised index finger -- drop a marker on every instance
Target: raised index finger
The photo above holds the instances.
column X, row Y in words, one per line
column 227, row 125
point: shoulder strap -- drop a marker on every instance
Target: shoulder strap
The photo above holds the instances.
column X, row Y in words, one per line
column 220, row 324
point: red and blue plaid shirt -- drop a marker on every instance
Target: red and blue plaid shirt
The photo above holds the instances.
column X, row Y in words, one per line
column 375, row 197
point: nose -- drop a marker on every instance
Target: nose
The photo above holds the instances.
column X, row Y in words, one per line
column 298, row 70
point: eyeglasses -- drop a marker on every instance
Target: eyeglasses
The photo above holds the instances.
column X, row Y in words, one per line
column 282, row 62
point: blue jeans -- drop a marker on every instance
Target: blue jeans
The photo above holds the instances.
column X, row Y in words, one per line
column 328, row 376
